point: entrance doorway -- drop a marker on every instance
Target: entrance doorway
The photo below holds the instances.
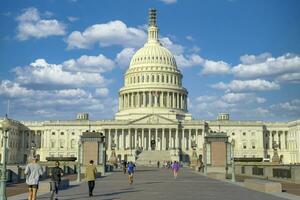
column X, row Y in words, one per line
column 153, row 144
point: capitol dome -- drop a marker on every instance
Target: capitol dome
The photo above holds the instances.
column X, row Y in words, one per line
column 153, row 53
column 152, row 82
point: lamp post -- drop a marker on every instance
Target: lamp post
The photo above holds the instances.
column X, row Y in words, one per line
column 232, row 161
column 5, row 130
column 79, row 162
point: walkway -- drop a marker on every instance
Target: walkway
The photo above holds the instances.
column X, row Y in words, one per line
column 158, row 184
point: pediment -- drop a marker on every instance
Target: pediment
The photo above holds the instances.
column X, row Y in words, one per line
column 153, row 119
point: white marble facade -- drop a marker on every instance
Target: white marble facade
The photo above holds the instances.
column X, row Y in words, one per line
column 153, row 106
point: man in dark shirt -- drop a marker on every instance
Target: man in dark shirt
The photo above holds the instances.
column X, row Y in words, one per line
column 56, row 174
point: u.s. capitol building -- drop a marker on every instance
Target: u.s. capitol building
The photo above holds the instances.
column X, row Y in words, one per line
column 153, row 116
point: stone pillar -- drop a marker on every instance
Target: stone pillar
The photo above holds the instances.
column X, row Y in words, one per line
column 163, row 139
column 109, row 139
column 155, row 99
column 170, row 138
column 173, row 100
column 161, row 99
column 270, row 140
column 150, row 99
column 177, row 139
column 123, row 139
column 135, row 138
column 139, row 99
column 149, row 139
column 168, row 100
column 156, row 138
column 177, row 95
column 144, row 99
column 143, row 139
column 183, row 140
column 115, row 138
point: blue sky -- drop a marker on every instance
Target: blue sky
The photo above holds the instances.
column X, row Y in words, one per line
column 58, row 58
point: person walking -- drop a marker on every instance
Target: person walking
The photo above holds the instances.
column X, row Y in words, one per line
column 33, row 171
column 56, row 174
column 90, row 176
column 124, row 166
column 175, row 168
column 130, row 170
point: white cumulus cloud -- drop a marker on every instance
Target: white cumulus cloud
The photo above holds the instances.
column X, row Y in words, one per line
column 12, row 90
column 123, row 58
column 111, row 33
column 264, row 65
column 41, row 72
column 247, row 85
column 242, row 98
column 30, row 24
column 215, row 67
column 184, row 61
column 168, row 1
column 102, row 92
column 97, row 64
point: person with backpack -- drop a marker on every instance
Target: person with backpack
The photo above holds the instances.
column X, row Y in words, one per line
column 130, row 169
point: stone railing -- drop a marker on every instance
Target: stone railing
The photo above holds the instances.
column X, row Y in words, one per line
column 287, row 173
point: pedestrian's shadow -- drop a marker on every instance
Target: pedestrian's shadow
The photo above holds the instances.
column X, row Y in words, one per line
column 84, row 196
column 151, row 182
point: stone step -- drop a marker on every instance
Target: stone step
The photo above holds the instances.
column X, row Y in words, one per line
column 151, row 157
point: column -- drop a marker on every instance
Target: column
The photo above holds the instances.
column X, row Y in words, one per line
column 115, row 138
column 168, row 100
column 177, row 106
column 161, row 99
column 163, row 139
column 132, row 100
column 279, row 139
column 170, row 138
column 138, row 99
column 182, row 104
column 183, row 140
column 123, row 139
column 149, row 139
column 270, row 140
column 155, row 99
column 135, row 138
column 150, row 99
column 177, row 139
column 190, row 139
column 143, row 139
column 173, row 100
column 144, row 99
column 109, row 139
column 156, row 138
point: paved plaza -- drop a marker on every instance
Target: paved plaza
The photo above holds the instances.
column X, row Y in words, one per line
column 152, row 183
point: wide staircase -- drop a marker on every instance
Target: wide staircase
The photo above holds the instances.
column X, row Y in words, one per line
column 148, row 158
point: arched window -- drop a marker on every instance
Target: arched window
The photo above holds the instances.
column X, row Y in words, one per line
column 138, row 79
column 163, row 79
column 143, row 78
column 167, row 79
column 147, row 78
column 152, row 79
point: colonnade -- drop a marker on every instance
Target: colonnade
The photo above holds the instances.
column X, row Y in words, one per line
column 157, row 138
column 163, row 99
column 280, row 137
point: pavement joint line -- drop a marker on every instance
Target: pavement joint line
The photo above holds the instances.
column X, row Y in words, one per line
column 282, row 194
